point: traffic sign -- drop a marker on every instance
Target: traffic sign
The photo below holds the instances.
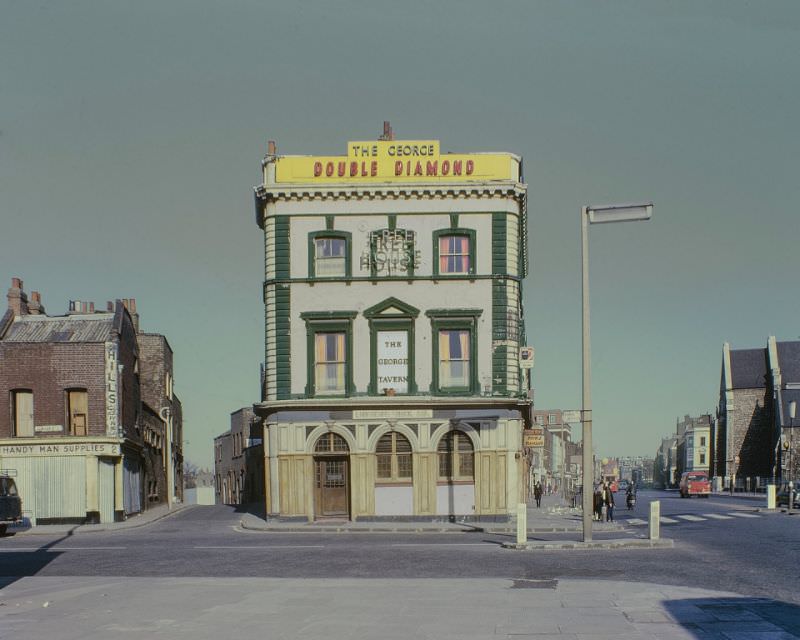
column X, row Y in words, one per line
column 570, row 416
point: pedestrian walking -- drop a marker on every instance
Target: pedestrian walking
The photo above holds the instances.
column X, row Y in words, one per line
column 537, row 494
column 609, row 501
column 598, row 504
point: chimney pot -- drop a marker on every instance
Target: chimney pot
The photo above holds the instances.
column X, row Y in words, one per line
column 17, row 300
column 91, row 307
column 109, row 306
column 36, row 296
column 16, row 283
column 271, row 148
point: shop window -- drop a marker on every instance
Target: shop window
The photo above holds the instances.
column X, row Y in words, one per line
column 22, row 413
column 78, row 412
column 393, row 454
column 455, row 366
column 329, row 353
column 456, row 457
column 329, row 254
column 454, row 252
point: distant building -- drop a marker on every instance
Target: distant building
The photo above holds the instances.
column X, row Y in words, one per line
column 665, row 466
column 694, row 443
column 86, row 417
column 753, row 432
column 239, row 460
column 553, row 463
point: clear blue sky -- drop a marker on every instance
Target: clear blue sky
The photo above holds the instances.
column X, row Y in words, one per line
column 131, row 135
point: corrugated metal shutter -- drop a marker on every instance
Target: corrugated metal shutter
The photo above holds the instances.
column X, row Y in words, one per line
column 132, row 481
column 106, row 481
column 60, row 487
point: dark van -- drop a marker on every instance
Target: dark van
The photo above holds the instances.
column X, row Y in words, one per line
column 10, row 504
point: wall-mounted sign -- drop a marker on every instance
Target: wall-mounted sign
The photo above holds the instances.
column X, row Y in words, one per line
column 391, row 252
column 570, row 416
column 533, row 438
column 526, row 357
column 48, row 428
column 396, row 161
column 112, row 392
column 61, row 449
column 392, row 360
column 386, row 414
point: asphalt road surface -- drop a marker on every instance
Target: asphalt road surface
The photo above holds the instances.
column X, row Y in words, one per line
column 725, row 544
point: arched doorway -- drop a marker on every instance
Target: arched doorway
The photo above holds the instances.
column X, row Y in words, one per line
column 331, row 477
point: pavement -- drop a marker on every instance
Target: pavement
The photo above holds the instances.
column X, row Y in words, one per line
column 97, row 608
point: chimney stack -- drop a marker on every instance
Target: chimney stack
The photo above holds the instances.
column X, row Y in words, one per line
column 271, row 148
column 35, row 306
column 130, row 305
column 388, row 134
column 109, row 306
column 17, row 300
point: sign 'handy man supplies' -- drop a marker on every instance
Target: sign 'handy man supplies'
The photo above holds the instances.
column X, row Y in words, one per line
column 396, row 161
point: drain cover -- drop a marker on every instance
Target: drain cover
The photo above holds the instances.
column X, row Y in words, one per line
column 534, row 584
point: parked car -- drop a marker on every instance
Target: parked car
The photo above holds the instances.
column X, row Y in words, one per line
column 10, row 504
column 782, row 497
column 695, row 483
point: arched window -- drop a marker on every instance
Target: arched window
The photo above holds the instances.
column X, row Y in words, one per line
column 331, row 443
column 393, row 454
column 456, row 457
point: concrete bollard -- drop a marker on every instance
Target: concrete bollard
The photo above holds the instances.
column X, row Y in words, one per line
column 655, row 520
column 770, row 496
column 522, row 523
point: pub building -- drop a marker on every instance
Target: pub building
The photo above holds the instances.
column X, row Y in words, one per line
column 392, row 386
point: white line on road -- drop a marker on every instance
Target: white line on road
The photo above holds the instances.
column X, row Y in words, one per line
column 668, row 520
column 59, row 548
column 739, row 514
column 636, row 521
column 691, row 518
column 717, row 516
column 444, row 544
column 262, row 546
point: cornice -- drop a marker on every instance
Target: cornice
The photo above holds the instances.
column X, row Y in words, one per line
column 394, row 191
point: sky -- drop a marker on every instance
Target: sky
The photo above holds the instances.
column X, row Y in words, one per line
column 131, row 136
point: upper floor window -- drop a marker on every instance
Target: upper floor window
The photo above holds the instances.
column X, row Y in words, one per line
column 454, row 252
column 551, row 418
column 702, row 441
column 329, row 355
column 393, row 453
column 78, row 412
column 454, row 358
column 455, row 347
column 539, row 419
column 22, row 413
column 329, row 254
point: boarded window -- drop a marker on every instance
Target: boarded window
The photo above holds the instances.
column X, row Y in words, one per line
column 22, row 402
column 78, row 412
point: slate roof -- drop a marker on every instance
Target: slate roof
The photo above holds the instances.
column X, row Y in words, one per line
column 789, row 361
column 96, row 327
column 748, row 368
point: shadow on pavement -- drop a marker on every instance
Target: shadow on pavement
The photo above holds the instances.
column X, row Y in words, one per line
column 257, row 509
column 26, row 563
column 736, row 617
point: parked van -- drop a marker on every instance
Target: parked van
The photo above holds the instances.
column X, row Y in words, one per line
column 695, row 483
column 10, row 504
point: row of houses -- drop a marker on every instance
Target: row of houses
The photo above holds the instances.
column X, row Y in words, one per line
column 90, row 425
column 749, row 440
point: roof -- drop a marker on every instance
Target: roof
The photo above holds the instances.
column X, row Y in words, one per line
column 96, row 327
column 748, row 368
column 789, row 361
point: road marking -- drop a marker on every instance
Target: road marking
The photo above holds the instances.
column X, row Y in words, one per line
column 739, row 514
column 717, row 516
column 691, row 518
column 636, row 521
column 265, row 546
column 444, row 544
column 668, row 520
column 60, row 548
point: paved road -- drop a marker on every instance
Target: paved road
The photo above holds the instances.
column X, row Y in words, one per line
column 720, row 543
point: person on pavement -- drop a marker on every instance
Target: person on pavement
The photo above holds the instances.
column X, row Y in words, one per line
column 598, row 503
column 608, row 498
column 537, row 494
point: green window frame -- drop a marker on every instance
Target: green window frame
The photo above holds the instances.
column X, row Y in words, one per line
column 330, row 234
column 328, row 322
column 457, row 232
column 402, row 319
column 458, row 320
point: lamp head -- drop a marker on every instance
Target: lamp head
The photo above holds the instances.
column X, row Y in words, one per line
column 619, row 212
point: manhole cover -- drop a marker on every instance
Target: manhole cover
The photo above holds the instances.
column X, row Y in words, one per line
column 534, row 584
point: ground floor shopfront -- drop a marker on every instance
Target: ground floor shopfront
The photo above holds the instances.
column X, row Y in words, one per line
column 443, row 462
column 74, row 480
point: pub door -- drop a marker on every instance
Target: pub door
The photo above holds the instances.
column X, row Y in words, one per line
column 332, row 487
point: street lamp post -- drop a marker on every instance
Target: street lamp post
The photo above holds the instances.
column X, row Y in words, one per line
column 166, row 415
column 596, row 215
column 792, row 410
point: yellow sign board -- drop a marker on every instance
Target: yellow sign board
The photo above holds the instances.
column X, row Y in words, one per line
column 377, row 161
column 533, row 438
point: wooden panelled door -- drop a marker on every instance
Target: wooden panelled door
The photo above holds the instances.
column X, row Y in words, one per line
column 332, row 487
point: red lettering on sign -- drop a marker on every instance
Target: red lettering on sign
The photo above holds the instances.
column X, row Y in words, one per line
column 341, row 168
column 445, row 167
column 364, row 173
column 353, row 169
column 418, row 169
column 329, row 169
column 398, row 168
column 373, row 168
column 317, row 169
column 470, row 167
column 432, row 168
column 457, row 167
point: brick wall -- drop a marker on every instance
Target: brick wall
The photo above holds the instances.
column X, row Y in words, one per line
column 750, row 424
column 48, row 370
